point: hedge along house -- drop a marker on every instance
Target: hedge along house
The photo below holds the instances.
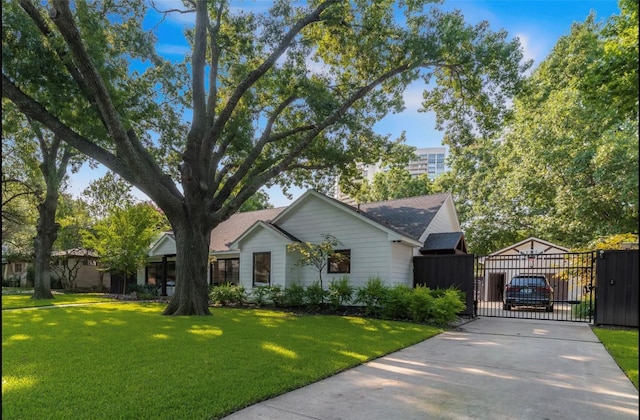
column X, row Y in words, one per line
column 378, row 240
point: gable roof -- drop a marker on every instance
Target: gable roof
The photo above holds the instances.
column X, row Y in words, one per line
column 269, row 227
column 228, row 231
column 165, row 237
column 446, row 242
column 521, row 246
column 410, row 216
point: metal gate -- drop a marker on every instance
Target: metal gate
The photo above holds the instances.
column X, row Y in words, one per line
column 570, row 278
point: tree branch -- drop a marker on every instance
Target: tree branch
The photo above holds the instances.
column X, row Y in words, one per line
column 255, row 75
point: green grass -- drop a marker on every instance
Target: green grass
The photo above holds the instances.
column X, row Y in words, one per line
column 623, row 347
column 25, row 301
column 125, row 360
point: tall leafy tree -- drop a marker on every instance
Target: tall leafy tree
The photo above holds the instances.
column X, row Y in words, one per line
column 566, row 167
column 285, row 97
column 122, row 239
column 36, row 147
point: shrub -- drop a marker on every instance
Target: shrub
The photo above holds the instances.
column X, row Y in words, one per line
column 315, row 294
column 259, row 295
column 584, row 309
column 422, row 304
column 275, row 295
column 294, row 295
column 396, row 302
column 447, row 306
column 144, row 291
column 372, row 295
column 340, row 292
column 228, row 293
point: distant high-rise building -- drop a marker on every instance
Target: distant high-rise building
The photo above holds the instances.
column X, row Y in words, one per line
column 430, row 161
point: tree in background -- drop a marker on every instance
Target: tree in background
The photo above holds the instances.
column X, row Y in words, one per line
column 393, row 184
column 37, row 147
column 258, row 201
column 261, row 115
column 566, row 167
column 106, row 195
column 122, row 238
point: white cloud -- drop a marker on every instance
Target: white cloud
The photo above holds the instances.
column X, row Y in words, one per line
column 531, row 50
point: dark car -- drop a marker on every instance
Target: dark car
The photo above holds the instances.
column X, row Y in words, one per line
column 528, row 290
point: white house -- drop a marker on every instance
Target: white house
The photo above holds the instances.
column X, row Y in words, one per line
column 379, row 239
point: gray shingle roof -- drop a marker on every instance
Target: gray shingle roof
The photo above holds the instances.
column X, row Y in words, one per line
column 410, row 216
column 447, row 241
column 229, row 230
column 407, row 216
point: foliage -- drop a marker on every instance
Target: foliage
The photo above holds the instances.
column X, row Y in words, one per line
column 288, row 351
column 566, row 166
column 618, row 241
column 258, row 201
column 395, row 304
column 107, row 195
column 372, row 295
column 228, row 294
column 260, row 115
column 584, row 309
column 422, row 304
column 259, row 295
column 316, row 254
column 393, row 184
column 276, row 295
column 294, row 295
column 144, row 291
column 340, row 292
column 315, row 295
column 448, row 303
column 622, row 344
column 122, row 239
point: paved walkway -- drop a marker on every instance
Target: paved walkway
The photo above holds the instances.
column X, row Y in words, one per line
column 490, row 368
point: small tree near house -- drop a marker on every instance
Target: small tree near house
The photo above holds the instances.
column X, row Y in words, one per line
column 317, row 254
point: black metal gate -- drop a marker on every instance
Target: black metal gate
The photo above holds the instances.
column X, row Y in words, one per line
column 571, row 277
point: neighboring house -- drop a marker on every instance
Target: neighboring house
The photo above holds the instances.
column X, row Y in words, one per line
column 81, row 267
column 14, row 273
column 379, row 239
column 530, row 256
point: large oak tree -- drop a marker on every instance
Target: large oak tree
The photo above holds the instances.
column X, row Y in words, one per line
column 285, row 97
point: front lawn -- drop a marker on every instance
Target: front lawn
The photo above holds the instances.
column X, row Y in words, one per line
column 622, row 344
column 125, row 360
column 12, row 301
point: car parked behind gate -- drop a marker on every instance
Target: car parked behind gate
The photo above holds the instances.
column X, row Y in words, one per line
column 528, row 290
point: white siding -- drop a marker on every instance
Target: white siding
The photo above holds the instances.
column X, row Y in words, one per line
column 370, row 246
column 263, row 241
column 167, row 246
column 401, row 264
column 445, row 220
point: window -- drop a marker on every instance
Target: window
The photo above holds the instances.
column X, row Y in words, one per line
column 225, row 271
column 261, row 268
column 17, row 267
column 340, row 262
column 154, row 272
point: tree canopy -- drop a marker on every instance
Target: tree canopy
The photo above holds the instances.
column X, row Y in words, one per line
column 284, row 97
column 566, row 167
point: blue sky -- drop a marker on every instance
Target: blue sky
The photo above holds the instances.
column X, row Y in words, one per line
column 537, row 23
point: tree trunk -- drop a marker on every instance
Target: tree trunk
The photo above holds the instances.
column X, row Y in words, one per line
column 191, row 295
column 43, row 243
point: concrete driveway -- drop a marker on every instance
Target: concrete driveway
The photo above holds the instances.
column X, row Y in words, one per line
column 490, row 368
